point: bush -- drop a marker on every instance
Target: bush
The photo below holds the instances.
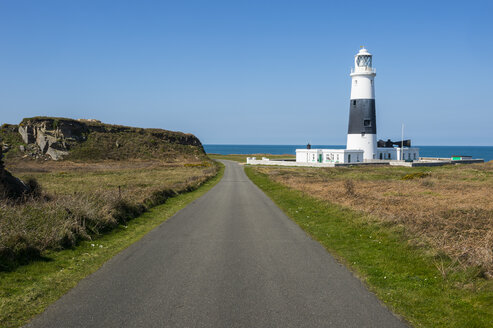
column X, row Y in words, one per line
column 34, row 188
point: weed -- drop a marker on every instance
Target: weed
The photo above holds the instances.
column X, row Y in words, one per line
column 349, row 188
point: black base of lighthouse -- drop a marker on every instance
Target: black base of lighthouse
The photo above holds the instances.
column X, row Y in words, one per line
column 362, row 117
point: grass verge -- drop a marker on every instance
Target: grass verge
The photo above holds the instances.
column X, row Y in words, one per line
column 28, row 290
column 406, row 278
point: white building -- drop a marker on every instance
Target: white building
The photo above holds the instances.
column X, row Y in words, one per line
column 362, row 128
column 329, row 156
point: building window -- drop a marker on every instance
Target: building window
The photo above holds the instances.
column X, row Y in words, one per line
column 367, row 123
column 354, row 102
column 349, row 158
column 414, row 155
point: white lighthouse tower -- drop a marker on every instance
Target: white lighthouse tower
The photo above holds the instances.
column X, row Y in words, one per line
column 362, row 145
column 362, row 129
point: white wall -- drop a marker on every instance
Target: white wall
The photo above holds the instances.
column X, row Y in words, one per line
column 362, row 86
column 409, row 154
column 366, row 142
column 301, row 157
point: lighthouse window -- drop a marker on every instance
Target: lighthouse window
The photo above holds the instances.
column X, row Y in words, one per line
column 354, row 102
column 363, row 61
column 355, row 81
column 367, row 122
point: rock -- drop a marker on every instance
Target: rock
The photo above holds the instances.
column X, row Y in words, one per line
column 44, row 141
column 56, row 154
column 10, row 186
column 27, row 134
column 53, row 136
column 88, row 120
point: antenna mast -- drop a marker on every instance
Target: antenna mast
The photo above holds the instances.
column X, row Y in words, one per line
column 402, row 142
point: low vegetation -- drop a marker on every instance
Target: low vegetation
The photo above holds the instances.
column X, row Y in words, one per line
column 419, row 237
column 80, row 201
column 449, row 208
column 11, row 141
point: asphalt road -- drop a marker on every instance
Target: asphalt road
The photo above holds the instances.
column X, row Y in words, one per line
column 229, row 259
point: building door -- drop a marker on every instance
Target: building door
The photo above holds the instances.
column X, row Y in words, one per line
column 349, row 158
column 320, row 158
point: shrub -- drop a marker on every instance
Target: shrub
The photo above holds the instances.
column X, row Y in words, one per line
column 34, row 188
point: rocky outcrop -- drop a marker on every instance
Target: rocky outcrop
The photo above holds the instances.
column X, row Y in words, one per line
column 53, row 136
column 83, row 139
column 10, row 186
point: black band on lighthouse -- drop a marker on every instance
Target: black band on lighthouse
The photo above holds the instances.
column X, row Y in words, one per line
column 362, row 117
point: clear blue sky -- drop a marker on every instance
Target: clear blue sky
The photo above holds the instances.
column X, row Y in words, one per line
column 251, row 72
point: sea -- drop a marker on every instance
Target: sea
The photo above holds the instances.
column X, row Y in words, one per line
column 484, row 152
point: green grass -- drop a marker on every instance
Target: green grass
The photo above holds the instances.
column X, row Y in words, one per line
column 242, row 158
column 29, row 289
column 407, row 279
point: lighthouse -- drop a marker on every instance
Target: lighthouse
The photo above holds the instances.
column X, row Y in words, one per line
column 362, row 129
column 362, row 145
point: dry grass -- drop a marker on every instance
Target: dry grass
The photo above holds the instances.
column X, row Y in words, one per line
column 448, row 208
column 80, row 200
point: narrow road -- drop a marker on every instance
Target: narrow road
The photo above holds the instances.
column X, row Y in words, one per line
column 229, row 259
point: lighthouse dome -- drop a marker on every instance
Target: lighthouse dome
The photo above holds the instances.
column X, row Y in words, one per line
column 363, row 51
column 363, row 59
